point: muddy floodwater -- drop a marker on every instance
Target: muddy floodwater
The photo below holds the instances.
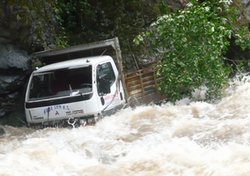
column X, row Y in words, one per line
column 185, row 139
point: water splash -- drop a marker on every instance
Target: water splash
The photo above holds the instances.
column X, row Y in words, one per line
column 186, row 139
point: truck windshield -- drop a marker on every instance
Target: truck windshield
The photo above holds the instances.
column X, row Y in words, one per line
column 59, row 83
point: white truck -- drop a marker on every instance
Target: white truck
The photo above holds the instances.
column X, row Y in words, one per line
column 75, row 90
column 80, row 84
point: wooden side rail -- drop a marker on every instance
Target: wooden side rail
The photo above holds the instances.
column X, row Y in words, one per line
column 142, row 86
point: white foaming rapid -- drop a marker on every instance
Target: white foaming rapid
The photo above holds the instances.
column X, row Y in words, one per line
column 193, row 139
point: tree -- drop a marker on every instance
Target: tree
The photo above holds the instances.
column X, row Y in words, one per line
column 191, row 43
column 29, row 24
column 92, row 20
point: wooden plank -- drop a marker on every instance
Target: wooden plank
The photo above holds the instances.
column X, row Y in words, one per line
column 134, row 80
column 133, row 92
column 135, row 76
column 149, row 83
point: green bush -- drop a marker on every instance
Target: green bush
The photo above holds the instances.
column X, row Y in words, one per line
column 191, row 44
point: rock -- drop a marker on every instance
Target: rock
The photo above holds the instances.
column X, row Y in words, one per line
column 10, row 83
column 2, row 132
column 2, row 111
column 13, row 95
column 4, row 40
column 14, row 66
column 10, row 57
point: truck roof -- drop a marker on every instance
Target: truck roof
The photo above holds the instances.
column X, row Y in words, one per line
column 108, row 47
column 74, row 63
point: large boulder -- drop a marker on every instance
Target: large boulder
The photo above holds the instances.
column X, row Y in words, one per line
column 11, row 57
column 14, row 69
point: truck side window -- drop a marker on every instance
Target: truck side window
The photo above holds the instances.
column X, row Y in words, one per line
column 105, row 78
column 41, row 86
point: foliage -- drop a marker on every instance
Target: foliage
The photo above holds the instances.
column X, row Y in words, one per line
column 32, row 24
column 236, row 16
column 191, row 44
column 91, row 20
column 41, row 25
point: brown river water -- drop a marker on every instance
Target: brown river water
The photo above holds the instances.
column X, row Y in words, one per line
column 189, row 138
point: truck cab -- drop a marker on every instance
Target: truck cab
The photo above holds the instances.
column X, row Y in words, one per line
column 74, row 91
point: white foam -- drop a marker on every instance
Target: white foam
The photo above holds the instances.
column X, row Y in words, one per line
column 187, row 139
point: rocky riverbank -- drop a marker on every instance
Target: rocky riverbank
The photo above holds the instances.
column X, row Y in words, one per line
column 15, row 69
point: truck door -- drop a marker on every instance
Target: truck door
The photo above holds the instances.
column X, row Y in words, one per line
column 107, row 88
